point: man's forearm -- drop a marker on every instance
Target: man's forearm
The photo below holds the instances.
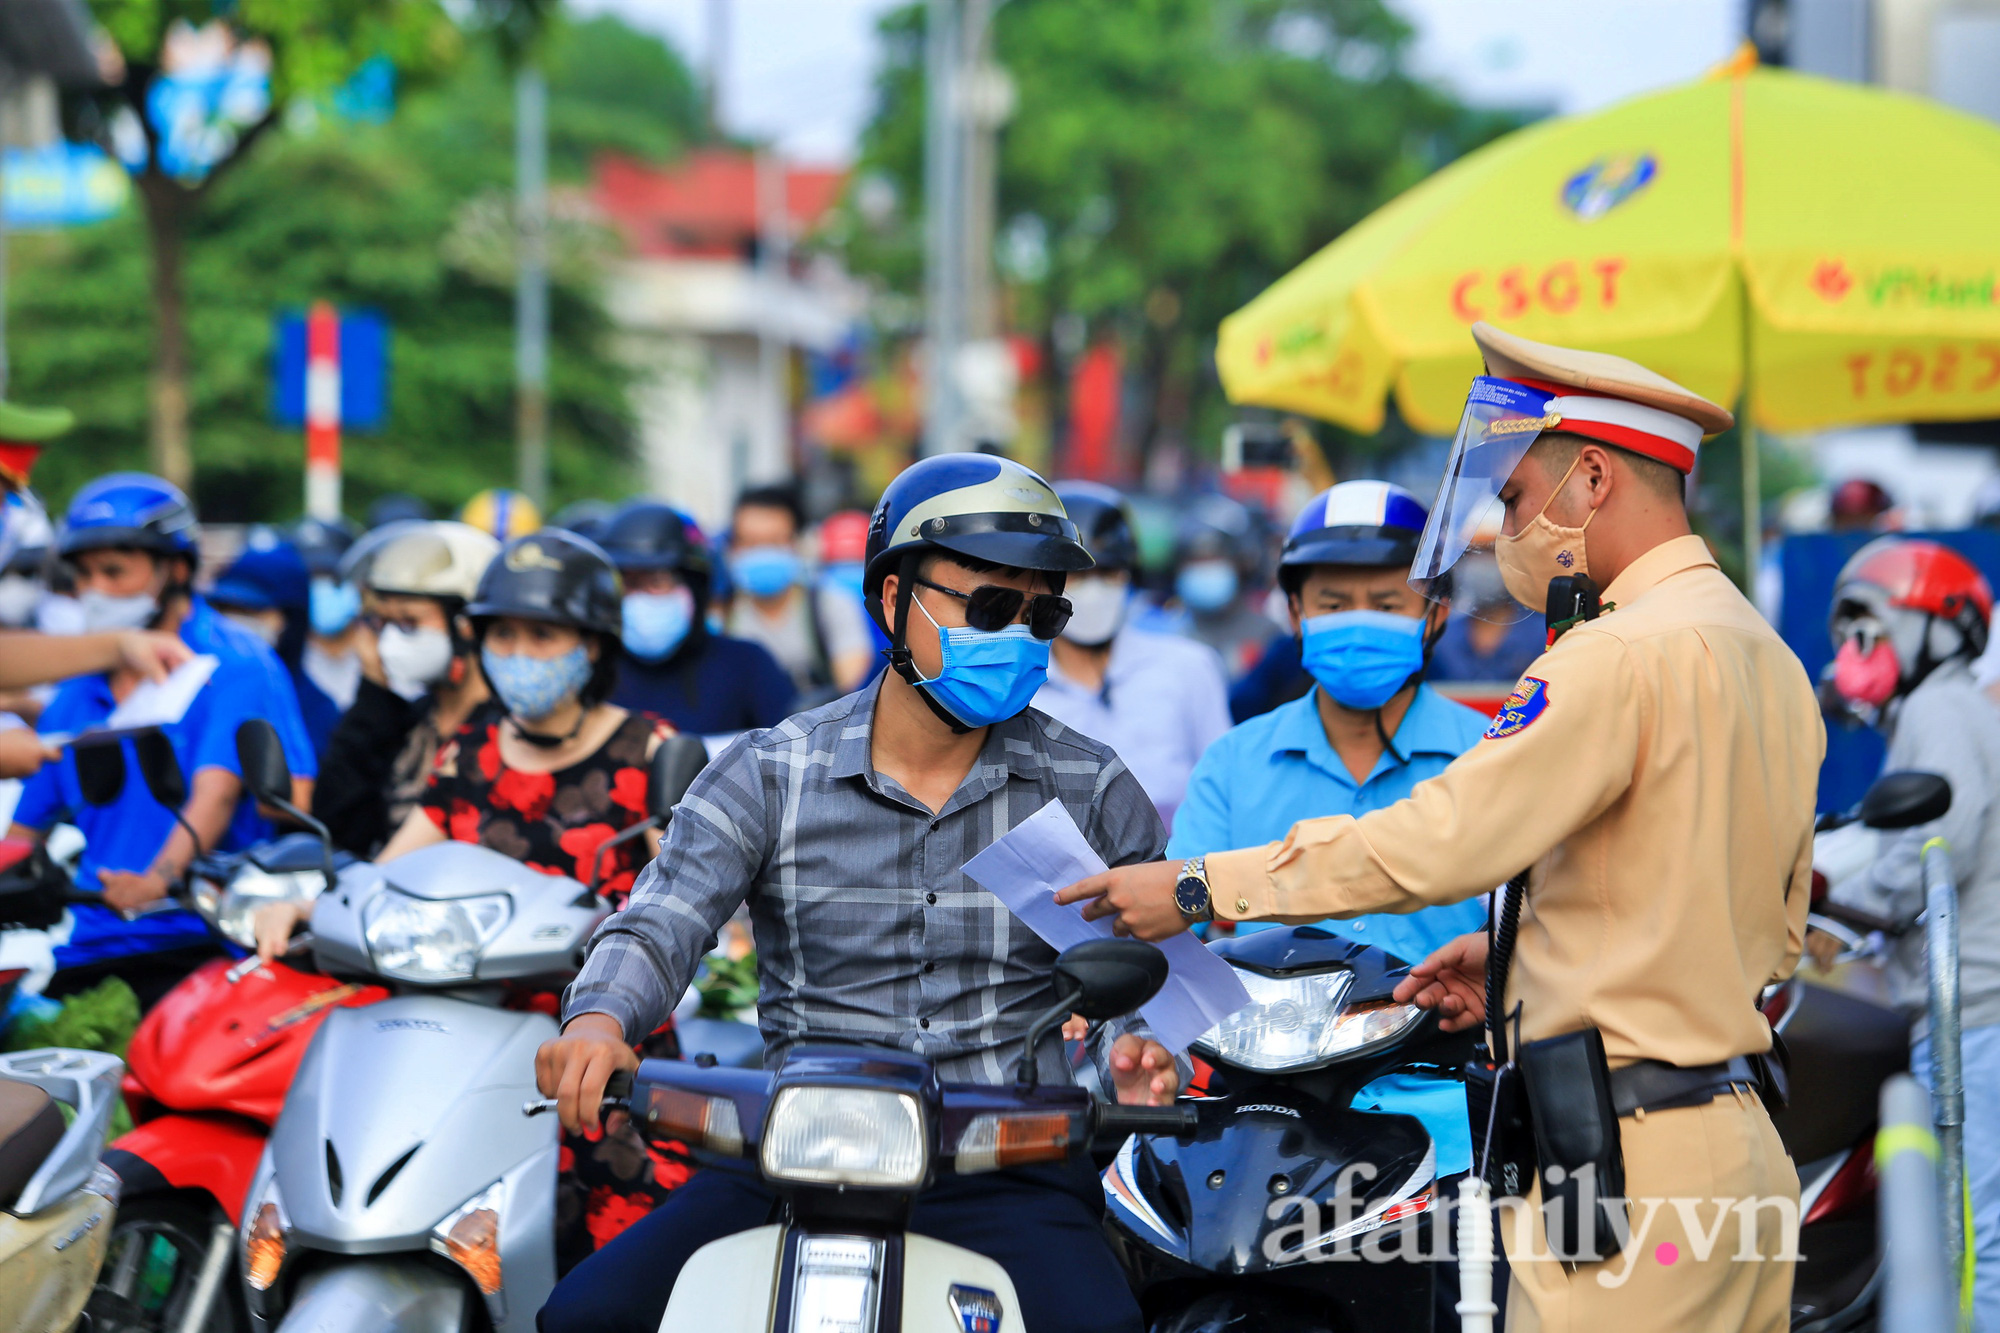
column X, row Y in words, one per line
column 27, row 658
column 641, row 960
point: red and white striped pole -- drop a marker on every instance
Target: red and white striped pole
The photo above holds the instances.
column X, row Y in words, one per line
column 322, row 411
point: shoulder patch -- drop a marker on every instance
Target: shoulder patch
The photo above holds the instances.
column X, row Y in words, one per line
column 1528, row 701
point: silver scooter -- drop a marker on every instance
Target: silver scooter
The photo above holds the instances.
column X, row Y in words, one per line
column 402, row 1189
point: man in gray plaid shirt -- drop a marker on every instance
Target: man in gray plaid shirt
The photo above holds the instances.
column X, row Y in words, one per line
column 846, row 829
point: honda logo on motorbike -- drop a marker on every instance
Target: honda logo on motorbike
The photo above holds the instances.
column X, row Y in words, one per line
column 410, row 1025
column 978, row 1309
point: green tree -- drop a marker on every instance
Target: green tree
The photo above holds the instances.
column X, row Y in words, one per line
column 410, row 218
column 314, row 45
column 1167, row 159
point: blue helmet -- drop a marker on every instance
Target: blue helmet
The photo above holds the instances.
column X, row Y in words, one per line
column 270, row 575
column 978, row 505
column 130, row 510
column 1370, row 523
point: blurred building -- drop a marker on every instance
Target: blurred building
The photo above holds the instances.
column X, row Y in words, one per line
column 1948, row 50
column 713, row 305
column 1945, row 49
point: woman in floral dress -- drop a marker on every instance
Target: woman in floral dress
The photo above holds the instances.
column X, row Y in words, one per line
column 548, row 782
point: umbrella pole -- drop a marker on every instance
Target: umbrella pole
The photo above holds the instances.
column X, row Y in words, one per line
column 1753, row 521
column 1746, row 421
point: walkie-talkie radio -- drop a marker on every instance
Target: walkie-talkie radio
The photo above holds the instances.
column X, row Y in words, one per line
column 1572, row 600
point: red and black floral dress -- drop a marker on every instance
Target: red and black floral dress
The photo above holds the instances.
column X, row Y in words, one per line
column 555, row 822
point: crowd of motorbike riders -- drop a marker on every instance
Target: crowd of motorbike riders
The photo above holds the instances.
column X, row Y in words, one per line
column 497, row 680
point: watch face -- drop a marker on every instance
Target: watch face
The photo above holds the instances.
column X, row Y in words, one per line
column 1191, row 896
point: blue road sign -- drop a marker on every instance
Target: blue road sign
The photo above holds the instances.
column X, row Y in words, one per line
column 364, row 370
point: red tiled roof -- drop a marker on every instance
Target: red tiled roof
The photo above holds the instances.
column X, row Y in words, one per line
column 705, row 204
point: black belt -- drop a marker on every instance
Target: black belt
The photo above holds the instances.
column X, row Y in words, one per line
column 1652, row 1085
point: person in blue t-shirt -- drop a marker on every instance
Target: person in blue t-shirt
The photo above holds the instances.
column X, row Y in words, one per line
column 268, row 591
column 131, row 540
column 1366, row 733
column 673, row 666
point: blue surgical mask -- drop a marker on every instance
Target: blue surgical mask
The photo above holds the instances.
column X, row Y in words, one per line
column 1206, row 585
column 333, row 606
column 984, row 677
column 533, row 687
column 656, row 623
column 765, row 571
column 1361, row 658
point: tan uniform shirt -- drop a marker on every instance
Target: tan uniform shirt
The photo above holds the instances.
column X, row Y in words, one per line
column 1657, row 769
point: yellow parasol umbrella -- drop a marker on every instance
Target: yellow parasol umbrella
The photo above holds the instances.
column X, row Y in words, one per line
column 1829, row 253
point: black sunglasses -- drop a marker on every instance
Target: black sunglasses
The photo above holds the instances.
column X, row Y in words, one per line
column 990, row 607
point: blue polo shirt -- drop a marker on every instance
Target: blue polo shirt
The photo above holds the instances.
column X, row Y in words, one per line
column 248, row 682
column 1267, row 774
column 712, row 685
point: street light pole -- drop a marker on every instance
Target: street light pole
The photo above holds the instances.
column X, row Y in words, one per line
column 944, row 230
column 531, row 284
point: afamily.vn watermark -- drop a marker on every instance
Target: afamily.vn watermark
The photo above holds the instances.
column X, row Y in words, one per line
column 1415, row 1226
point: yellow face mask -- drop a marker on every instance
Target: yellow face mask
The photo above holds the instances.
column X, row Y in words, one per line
column 1542, row 551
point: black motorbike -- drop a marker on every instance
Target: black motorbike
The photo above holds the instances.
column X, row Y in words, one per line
column 1258, row 1222
column 1288, row 1211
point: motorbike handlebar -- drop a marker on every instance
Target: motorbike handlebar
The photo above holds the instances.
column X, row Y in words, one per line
column 1860, row 920
column 1177, row 1121
column 617, row 1097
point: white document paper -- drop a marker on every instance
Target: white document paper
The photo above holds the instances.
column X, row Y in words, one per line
column 166, row 702
column 1047, row 852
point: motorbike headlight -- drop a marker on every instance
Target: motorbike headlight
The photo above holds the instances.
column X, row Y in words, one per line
column 431, row 939
column 232, row 908
column 470, row 1237
column 869, row 1137
column 1296, row 1022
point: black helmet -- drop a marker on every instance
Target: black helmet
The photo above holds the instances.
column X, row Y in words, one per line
column 555, row 576
column 322, row 542
column 649, row 535
column 1217, row 527
column 397, row 507
column 586, row 518
column 989, row 508
column 1104, row 521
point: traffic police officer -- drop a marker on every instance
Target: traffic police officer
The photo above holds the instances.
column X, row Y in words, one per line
column 1656, row 768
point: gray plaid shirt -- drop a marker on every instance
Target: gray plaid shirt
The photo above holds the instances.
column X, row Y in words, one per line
column 867, row 929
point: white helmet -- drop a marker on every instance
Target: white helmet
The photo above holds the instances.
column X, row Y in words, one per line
column 440, row 558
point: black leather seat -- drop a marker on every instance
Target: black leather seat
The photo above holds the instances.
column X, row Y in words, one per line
column 30, row 1127
column 1843, row 1049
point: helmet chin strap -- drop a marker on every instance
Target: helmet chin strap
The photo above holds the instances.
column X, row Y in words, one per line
column 899, row 648
column 542, row 739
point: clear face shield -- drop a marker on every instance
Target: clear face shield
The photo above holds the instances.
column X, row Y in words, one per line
column 23, row 523
column 1501, row 420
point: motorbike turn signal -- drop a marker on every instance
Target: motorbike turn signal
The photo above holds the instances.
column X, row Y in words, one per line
column 473, row 1243
column 993, row 1141
column 264, row 1248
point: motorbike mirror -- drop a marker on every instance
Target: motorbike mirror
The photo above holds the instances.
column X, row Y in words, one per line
column 262, row 756
column 1110, row 977
column 675, row 766
column 161, row 769
column 1905, row 800
column 100, row 769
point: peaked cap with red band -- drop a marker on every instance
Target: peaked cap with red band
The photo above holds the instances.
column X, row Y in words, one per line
column 23, row 432
column 1607, row 398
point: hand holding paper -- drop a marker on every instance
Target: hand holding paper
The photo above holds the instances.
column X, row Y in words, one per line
column 1047, row 851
